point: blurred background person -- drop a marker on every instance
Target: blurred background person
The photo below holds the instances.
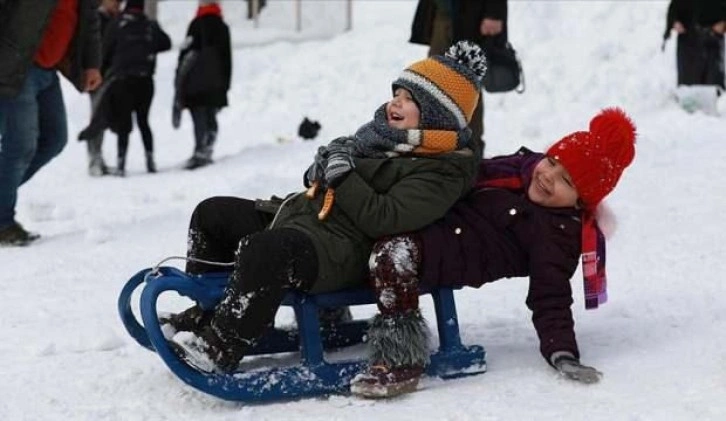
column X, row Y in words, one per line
column 440, row 23
column 36, row 39
column 107, row 10
column 203, row 76
column 130, row 46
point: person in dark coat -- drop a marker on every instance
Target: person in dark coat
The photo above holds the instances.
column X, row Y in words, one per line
column 37, row 39
column 107, row 10
column 203, row 78
column 700, row 25
column 530, row 214
column 399, row 172
column 130, row 46
column 439, row 23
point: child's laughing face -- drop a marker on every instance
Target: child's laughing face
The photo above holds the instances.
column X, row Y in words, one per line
column 551, row 185
column 402, row 112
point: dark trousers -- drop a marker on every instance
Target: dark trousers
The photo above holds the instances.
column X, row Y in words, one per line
column 441, row 40
column 700, row 58
column 205, row 128
column 132, row 95
column 268, row 263
column 216, row 228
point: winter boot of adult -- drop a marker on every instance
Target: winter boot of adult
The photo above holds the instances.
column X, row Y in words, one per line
column 121, row 167
column 399, row 351
column 150, row 164
column 16, row 235
column 97, row 167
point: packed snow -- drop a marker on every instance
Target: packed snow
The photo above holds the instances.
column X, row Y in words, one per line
column 660, row 342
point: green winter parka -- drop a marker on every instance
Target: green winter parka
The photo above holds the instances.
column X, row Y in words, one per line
column 379, row 197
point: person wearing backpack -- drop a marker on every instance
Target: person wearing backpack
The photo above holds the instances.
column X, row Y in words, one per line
column 130, row 46
column 202, row 78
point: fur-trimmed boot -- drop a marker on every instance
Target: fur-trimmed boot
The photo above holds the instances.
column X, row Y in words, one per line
column 397, row 337
column 399, row 351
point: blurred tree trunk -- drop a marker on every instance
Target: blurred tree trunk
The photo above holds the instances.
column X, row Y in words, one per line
column 150, row 8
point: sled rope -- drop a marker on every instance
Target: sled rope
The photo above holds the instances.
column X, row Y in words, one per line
column 155, row 270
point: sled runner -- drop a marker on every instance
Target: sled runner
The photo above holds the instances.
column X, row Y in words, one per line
column 314, row 376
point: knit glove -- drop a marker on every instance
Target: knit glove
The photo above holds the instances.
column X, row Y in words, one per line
column 340, row 161
column 316, row 171
column 570, row 368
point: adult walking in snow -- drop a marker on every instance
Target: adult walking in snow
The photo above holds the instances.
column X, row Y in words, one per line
column 36, row 39
column 203, row 76
column 107, row 10
column 130, row 46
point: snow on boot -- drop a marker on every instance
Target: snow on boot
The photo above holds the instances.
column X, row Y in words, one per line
column 380, row 381
column 190, row 320
column 204, row 350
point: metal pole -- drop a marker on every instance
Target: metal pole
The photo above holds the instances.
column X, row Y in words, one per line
column 256, row 12
column 298, row 15
column 349, row 16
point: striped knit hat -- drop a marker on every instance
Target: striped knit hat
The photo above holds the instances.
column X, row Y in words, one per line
column 446, row 88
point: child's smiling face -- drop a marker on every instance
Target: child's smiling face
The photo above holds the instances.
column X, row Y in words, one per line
column 402, row 112
column 551, row 185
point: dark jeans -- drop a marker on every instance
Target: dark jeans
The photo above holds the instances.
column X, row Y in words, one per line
column 700, row 58
column 129, row 95
column 33, row 130
column 216, row 228
column 441, row 40
column 205, row 128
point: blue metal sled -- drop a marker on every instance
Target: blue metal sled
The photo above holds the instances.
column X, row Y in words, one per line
column 314, row 376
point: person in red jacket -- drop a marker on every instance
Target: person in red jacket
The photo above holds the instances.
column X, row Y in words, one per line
column 530, row 214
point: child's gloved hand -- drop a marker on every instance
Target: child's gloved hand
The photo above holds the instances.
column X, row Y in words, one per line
column 339, row 163
column 570, row 367
column 316, row 171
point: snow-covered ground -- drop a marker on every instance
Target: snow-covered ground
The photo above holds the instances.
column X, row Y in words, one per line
column 660, row 341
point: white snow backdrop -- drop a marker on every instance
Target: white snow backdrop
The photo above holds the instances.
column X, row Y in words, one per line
column 660, row 341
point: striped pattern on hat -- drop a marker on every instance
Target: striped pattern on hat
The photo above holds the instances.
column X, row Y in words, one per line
column 446, row 88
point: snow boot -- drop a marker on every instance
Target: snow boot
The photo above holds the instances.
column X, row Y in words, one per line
column 190, row 320
column 205, row 350
column 121, row 167
column 398, row 347
column 150, row 164
column 16, row 235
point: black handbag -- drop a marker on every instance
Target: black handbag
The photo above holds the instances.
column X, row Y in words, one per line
column 504, row 70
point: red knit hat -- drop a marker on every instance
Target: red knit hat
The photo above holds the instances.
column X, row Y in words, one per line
column 595, row 159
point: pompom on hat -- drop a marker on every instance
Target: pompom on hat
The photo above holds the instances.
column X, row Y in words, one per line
column 597, row 158
column 446, row 88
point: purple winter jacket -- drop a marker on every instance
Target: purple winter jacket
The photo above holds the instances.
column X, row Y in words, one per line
column 496, row 233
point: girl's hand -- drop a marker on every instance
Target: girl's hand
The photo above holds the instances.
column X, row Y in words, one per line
column 570, row 368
